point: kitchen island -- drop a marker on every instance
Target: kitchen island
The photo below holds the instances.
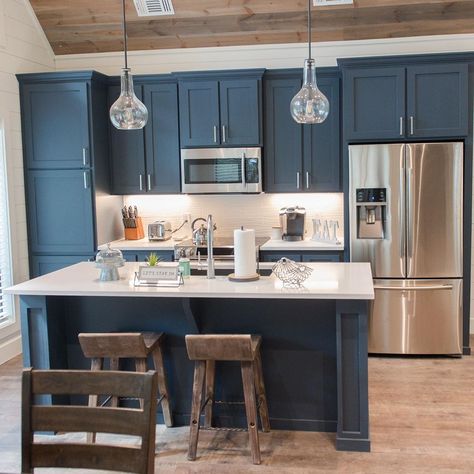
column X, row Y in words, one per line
column 314, row 338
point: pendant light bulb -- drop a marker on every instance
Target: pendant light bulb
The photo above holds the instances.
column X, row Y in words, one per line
column 310, row 105
column 127, row 112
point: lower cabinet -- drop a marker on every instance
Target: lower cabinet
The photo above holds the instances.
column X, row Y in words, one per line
column 306, row 256
column 43, row 264
column 142, row 255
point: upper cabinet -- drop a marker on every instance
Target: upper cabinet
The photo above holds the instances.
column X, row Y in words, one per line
column 300, row 158
column 220, row 108
column 390, row 102
column 56, row 124
column 147, row 160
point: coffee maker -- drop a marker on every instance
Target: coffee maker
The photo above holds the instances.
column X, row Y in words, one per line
column 292, row 221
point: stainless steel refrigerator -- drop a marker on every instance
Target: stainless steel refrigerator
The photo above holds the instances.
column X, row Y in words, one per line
column 406, row 205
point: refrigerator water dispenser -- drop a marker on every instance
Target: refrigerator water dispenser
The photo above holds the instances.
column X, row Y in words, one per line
column 371, row 208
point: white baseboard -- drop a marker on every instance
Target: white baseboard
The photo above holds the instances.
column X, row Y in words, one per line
column 10, row 349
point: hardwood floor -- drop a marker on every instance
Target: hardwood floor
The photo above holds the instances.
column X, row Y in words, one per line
column 421, row 413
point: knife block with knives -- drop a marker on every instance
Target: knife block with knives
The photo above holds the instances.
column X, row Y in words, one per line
column 132, row 223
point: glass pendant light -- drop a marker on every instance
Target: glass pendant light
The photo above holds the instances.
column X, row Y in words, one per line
column 310, row 105
column 127, row 112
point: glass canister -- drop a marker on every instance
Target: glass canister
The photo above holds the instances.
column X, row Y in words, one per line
column 109, row 260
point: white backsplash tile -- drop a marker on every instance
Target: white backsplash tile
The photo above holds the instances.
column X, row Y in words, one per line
column 259, row 212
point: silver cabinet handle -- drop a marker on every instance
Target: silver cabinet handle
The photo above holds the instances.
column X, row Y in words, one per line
column 412, row 125
column 401, row 126
column 215, row 133
column 223, row 134
column 297, row 180
column 413, row 288
column 307, row 179
column 149, row 182
column 84, row 156
column 141, row 183
column 86, row 181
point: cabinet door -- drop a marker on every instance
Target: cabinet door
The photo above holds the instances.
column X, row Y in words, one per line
column 43, row 264
column 162, row 138
column 164, row 255
column 437, row 100
column 240, row 112
column 323, row 257
column 199, row 113
column 374, row 103
column 60, row 212
column 127, row 154
column 275, row 256
column 56, row 125
column 322, row 145
column 283, row 160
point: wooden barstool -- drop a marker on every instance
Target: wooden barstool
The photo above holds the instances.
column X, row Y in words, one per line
column 136, row 345
column 206, row 349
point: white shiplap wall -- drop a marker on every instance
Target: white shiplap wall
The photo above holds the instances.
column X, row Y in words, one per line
column 23, row 48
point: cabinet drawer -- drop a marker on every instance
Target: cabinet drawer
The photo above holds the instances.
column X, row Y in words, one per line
column 43, row 264
column 142, row 255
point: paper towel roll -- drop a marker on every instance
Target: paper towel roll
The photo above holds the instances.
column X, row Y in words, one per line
column 245, row 253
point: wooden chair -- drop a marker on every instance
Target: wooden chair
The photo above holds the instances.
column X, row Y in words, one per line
column 206, row 349
column 138, row 346
column 61, row 418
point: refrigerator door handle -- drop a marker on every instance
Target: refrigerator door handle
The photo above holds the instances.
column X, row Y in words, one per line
column 401, row 219
column 409, row 207
column 413, row 288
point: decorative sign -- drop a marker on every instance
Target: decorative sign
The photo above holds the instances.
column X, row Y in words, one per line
column 159, row 273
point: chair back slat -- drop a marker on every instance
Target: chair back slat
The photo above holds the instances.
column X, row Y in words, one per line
column 56, row 382
column 220, row 347
column 123, row 421
column 76, row 419
column 85, row 456
column 120, row 345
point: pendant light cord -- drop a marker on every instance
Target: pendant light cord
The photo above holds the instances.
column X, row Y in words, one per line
column 124, row 24
column 309, row 28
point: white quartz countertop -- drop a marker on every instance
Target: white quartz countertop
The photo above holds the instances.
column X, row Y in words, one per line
column 145, row 244
column 301, row 245
column 327, row 281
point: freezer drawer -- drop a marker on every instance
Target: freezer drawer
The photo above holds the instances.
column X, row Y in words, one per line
column 416, row 317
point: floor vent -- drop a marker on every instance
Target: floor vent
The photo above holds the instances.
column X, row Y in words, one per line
column 328, row 3
column 154, row 7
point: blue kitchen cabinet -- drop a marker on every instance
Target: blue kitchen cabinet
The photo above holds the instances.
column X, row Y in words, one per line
column 283, row 147
column 300, row 158
column 399, row 98
column 162, row 139
column 66, row 162
column 142, row 255
column 59, row 206
column 220, row 108
column 147, row 160
column 240, row 112
column 199, row 113
column 437, row 100
column 55, row 123
column 323, row 256
column 322, row 149
column 302, row 256
column 374, row 103
column 43, row 264
column 127, row 153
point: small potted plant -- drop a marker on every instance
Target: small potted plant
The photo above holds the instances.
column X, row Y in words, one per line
column 152, row 259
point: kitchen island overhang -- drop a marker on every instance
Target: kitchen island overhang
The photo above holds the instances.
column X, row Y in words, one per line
column 314, row 338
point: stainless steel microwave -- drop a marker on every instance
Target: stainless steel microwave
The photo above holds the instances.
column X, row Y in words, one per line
column 221, row 170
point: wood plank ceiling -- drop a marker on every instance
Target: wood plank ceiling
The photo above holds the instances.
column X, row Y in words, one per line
column 91, row 26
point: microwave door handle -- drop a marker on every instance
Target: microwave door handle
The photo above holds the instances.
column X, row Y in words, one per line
column 244, row 183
